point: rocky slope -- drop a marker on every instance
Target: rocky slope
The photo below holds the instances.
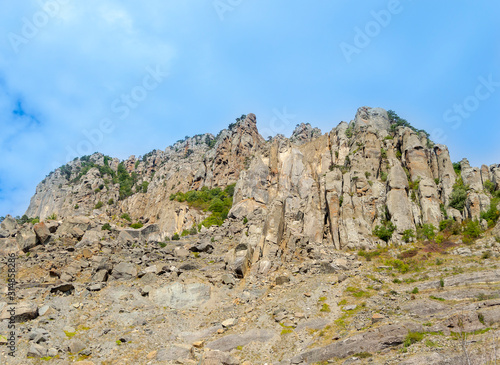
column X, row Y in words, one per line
column 286, row 277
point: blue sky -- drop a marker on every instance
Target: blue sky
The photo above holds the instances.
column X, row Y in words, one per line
column 125, row 77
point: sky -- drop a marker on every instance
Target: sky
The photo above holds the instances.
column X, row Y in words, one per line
column 124, row 77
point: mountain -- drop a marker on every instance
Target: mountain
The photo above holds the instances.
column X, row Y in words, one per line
column 354, row 244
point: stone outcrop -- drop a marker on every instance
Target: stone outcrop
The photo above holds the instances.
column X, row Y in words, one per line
column 332, row 189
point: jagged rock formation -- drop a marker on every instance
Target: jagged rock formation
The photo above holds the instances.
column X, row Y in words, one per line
column 333, row 188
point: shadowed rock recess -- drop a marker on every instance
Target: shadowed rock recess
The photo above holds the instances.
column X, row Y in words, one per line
column 365, row 244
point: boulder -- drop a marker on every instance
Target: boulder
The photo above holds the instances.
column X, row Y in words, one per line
column 42, row 232
column 21, row 312
column 9, row 225
column 124, row 270
column 229, row 342
column 26, row 239
column 180, row 296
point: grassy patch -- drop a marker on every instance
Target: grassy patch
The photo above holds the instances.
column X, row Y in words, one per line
column 437, row 298
column 70, row 334
column 357, row 293
column 325, row 308
column 413, row 337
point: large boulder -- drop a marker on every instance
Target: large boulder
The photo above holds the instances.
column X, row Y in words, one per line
column 180, row 296
column 42, row 232
column 9, row 225
column 8, row 245
column 124, row 270
column 26, row 239
column 20, row 312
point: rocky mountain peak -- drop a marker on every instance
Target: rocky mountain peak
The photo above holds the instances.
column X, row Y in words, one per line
column 371, row 117
column 303, row 132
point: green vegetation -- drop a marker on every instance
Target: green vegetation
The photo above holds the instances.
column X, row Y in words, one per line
column 144, row 187
column 126, row 217
column 99, row 205
column 70, row 334
column 76, row 206
column 52, row 217
column 349, row 132
column 126, row 181
column 426, row 231
column 216, row 201
column 176, row 237
column 396, row 122
column 492, row 214
column 136, row 225
column 368, row 255
column 415, row 290
column 472, row 230
column 111, row 201
column 408, row 235
column 325, row 308
column 413, row 337
column 357, row 293
column 106, row 227
column 385, row 231
column 399, row 265
column 459, row 195
column 383, row 176
column 363, row 355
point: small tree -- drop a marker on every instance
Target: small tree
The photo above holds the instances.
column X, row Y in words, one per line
column 426, row 231
column 385, row 231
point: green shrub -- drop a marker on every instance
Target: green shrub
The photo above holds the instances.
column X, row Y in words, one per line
column 76, row 206
column 426, row 231
column 399, row 265
column 472, row 230
column 413, row 337
column 459, row 195
column 245, row 220
column 53, row 217
column 408, row 235
column 162, row 244
column 99, row 205
column 144, row 186
column 216, row 201
column 492, row 214
column 136, row 225
column 325, row 308
column 383, row 153
column 126, row 217
column 489, row 186
column 184, row 233
column 106, row 227
column 415, row 290
column 111, row 201
column 439, row 238
column 383, row 176
column 368, row 255
column 176, row 237
column 385, row 231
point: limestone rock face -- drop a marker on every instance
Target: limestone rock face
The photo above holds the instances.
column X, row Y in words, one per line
column 90, row 185
column 311, row 189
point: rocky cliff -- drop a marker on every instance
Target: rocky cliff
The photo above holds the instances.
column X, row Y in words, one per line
column 332, row 188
